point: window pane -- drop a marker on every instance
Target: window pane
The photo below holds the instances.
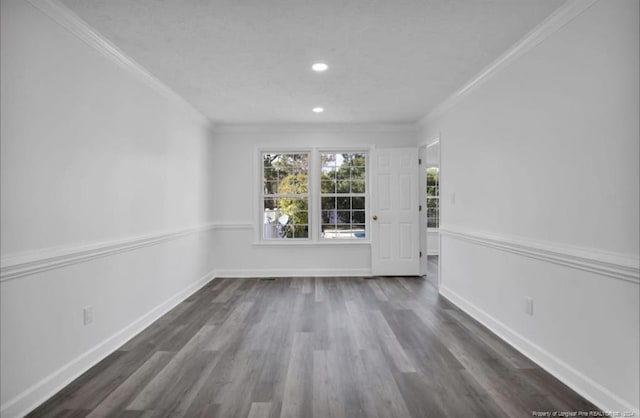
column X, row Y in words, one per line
column 270, row 203
column 267, row 160
column 344, row 216
column 358, row 217
column 359, row 231
column 357, row 202
column 298, row 231
column 284, row 176
column 328, row 203
column 270, row 187
column 343, row 174
column 358, row 173
column 343, row 203
column 328, row 186
column 328, row 159
column 357, row 186
column 329, row 216
column 433, row 212
column 355, row 159
column 343, row 187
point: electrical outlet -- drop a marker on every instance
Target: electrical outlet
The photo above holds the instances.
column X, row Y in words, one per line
column 528, row 306
column 87, row 314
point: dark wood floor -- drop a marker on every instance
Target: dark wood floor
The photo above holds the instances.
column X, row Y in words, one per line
column 314, row 347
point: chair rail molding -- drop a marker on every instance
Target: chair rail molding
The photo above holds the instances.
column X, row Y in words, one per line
column 617, row 266
column 28, row 263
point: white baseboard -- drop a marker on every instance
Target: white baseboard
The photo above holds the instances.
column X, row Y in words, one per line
column 248, row 273
column 586, row 387
column 50, row 385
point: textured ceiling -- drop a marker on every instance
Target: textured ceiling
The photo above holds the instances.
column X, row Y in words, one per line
column 248, row 61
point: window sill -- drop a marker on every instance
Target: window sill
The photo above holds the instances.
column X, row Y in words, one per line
column 309, row 243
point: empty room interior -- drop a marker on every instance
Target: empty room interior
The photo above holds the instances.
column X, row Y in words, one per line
column 287, row 208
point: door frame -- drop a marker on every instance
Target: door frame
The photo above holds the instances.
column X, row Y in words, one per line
column 423, row 199
column 422, row 183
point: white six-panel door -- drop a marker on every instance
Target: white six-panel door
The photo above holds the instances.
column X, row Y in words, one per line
column 395, row 225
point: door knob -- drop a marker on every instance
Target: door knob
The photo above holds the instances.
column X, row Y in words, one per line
column 375, row 217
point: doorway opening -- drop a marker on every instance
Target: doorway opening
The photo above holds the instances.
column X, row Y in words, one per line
column 430, row 179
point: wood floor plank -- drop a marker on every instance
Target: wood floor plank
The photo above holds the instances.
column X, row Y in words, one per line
column 328, row 386
column 234, row 398
column 230, row 330
column 117, row 400
column 156, row 389
column 260, row 410
column 298, row 387
column 390, row 344
column 319, row 289
column 388, row 399
column 314, row 347
column 500, row 347
column 377, row 290
column 360, row 328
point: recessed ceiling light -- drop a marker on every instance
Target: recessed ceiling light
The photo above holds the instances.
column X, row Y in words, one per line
column 318, row 109
column 319, row 66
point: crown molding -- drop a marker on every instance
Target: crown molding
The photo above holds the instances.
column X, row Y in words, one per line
column 80, row 29
column 313, row 127
column 557, row 20
column 618, row 266
column 28, row 263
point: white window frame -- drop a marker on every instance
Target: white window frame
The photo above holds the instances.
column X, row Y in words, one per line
column 263, row 196
column 367, row 153
column 313, row 196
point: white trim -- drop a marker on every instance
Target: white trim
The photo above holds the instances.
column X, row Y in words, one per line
column 309, row 243
column 262, row 128
column 436, row 142
column 259, row 221
column 617, row 266
column 314, row 194
column 315, row 272
column 429, row 142
column 583, row 385
column 28, row 263
column 78, row 27
column 561, row 17
column 32, row 397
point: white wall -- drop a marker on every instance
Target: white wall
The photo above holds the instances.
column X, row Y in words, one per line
column 543, row 160
column 105, row 169
column 236, row 250
column 433, row 242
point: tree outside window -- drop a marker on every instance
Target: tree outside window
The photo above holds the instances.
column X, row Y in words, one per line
column 286, row 195
column 343, row 195
column 433, row 197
